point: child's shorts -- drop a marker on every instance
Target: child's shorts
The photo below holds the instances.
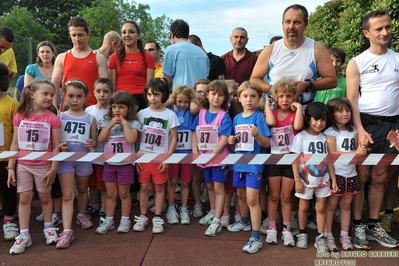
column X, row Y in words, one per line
column 215, row 174
column 120, row 174
column 349, row 185
column 320, row 192
column 251, row 180
column 185, row 172
column 150, row 171
column 95, row 179
column 280, row 170
column 79, row 168
column 26, row 174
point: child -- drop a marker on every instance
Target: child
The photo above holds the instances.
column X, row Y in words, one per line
column 35, row 129
column 286, row 119
column 342, row 139
column 184, row 98
column 232, row 88
column 313, row 179
column 213, row 127
column 8, row 109
column 251, row 136
column 103, row 89
column 159, row 135
column 200, row 88
column 78, row 134
column 119, row 131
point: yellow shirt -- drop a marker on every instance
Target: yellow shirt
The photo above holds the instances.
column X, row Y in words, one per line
column 8, row 108
column 8, row 58
column 158, row 71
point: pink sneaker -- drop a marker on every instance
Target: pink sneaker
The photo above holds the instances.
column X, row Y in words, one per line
column 346, row 243
column 65, row 239
column 331, row 244
column 84, row 221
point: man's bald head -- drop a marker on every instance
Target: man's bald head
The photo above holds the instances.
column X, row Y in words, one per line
column 112, row 36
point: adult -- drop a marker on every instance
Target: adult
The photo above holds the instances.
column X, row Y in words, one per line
column 296, row 56
column 7, row 55
column 43, row 68
column 184, row 63
column 110, row 41
column 81, row 62
column 130, row 68
column 374, row 116
column 217, row 68
column 239, row 61
column 155, row 50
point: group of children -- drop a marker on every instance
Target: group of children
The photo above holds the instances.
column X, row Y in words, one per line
column 198, row 123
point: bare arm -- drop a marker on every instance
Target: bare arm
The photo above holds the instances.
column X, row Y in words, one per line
column 57, row 76
column 221, row 144
column 298, row 121
column 173, row 140
column 150, row 74
column 270, row 120
column 261, row 68
column 102, row 66
column 169, row 79
column 112, row 76
column 325, row 68
column 27, row 79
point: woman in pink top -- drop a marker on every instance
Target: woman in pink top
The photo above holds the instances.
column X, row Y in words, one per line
column 131, row 67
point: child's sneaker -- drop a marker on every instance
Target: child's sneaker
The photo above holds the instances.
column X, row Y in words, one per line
column 197, row 211
column 207, row 219
column 157, row 225
column 311, row 222
column 388, row 222
column 124, row 226
column 346, row 243
column 265, row 226
column 56, row 219
column 204, row 193
column 105, row 226
column 320, row 244
column 238, row 226
column 252, row 246
column 302, row 241
column 84, row 221
column 141, row 223
column 50, row 234
column 288, row 239
column 237, row 216
column 185, row 216
column 10, row 231
column 331, row 244
column 271, row 237
column 172, row 216
column 65, row 239
column 40, row 218
column 21, row 242
column 225, row 220
column 92, row 212
column 213, row 229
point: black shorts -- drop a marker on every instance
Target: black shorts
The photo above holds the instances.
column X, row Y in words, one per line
column 280, row 170
column 349, row 185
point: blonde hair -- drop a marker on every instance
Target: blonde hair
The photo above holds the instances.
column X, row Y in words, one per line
column 285, row 84
column 249, row 85
column 185, row 90
column 231, row 84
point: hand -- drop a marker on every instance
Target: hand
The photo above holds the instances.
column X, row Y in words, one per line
column 231, row 140
column 299, row 186
column 334, row 188
column 90, row 144
column 254, row 130
column 138, row 168
column 115, row 120
column 361, row 149
column 12, row 181
column 296, row 106
column 393, row 136
column 163, row 167
column 365, row 138
column 63, row 146
column 300, row 88
column 49, row 178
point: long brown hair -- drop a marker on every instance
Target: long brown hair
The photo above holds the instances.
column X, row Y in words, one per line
column 121, row 51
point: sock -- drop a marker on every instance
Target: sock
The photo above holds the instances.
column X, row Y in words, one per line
column 264, row 215
column 237, row 213
column 272, row 224
column 216, row 220
column 343, row 233
column 285, row 225
column 226, row 214
column 171, row 208
column 213, row 211
column 125, row 218
column 183, row 208
column 244, row 220
column 302, row 231
column 357, row 222
column 67, row 230
column 24, row 232
column 8, row 219
column 110, row 218
column 95, row 206
column 81, row 214
column 256, row 234
column 58, row 213
column 371, row 223
column 47, row 225
column 388, row 211
column 143, row 215
column 327, row 235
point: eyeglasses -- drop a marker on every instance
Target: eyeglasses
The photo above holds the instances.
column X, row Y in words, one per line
column 200, row 92
column 150, row 50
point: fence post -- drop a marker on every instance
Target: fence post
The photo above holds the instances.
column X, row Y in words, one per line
column 30, row 51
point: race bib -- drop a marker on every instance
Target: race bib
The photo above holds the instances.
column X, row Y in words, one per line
column 184, row 139
column 281, row 140
column 153, row 139
column 207, row 137
column 245, row 141
column 1, row 134
column 345, row 144
column 117, row 144
column 75, row 131
column 34, row 136
column 315, row 147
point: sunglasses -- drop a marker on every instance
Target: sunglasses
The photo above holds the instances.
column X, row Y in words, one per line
column 200, row 92
column 150, row 50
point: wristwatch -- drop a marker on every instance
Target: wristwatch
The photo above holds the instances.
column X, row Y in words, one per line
column 309, row 85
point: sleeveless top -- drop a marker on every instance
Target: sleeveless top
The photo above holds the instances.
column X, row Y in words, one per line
column 75, row 131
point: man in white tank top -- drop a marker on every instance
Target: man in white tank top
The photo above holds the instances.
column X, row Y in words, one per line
column 372, row 82
column 296, row 56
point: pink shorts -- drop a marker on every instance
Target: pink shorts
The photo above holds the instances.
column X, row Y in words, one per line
column 150, row 171
column 95, row 177
column 185, row 172
column 26, row 174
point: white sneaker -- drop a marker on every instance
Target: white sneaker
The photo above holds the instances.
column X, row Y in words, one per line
column 288, row 239
column 271, row 237
column 252, row 246
column 40, row 218
column 10, row 231
column 124, row 226
column 172, row 216
column 265, row 226
column 56, row 220
column 204, row 193
column 237, row 217
column 141, row 223
column 21, row 242
column 320, row 244
column 51, row 236
column 213, row 229
column 238, row 226
column 104, row 226
column 157, row 225
column 225, row 220
column 207, row 219
column 185, row 216
column 197, row 211
column 302, row 241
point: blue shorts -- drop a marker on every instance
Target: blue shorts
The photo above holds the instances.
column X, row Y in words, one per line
column 120, row 174
column 251, row 180
column 215, row 174
column 79, row 168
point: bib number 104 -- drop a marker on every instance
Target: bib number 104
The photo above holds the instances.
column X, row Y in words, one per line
column 152, row 139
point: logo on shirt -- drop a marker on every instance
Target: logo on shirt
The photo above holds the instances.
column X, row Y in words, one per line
column 396, row 70
column 373, row 69
column 90, row 61
column 292, row 54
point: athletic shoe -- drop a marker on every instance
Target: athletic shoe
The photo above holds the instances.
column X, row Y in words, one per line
column 237, row 216
column 40, row 218
column 331, row 244
column 157, row 225
column 65, row 239
column 172, row 216
column 84, row 221
column 320, row 244
column 164, row 208
column 10, row 231
column 337, row 215
column 294, row 223
column 311, row 222
column 105, row 226
column 225, row 220
column 204, row 193
column 141, row 223
column 302, row 241
column 346, row 243
column 359, row 239
column 197, row 211
column 185, row 216
column 252, row 246
column 56, row 220
column 265, row 226
column 50, row 234
column 288, row 239
column 124, row 226
column 271, row 237
column 238, row 226
column 101, row 214
column 92, row 212
column 21, row 242
column 378, row 234
column 207, row 219
column 388, row 222
column 151, row 203
column 213, row 229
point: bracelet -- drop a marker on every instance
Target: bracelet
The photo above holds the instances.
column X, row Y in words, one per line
column 394, row 143
column 8, row 168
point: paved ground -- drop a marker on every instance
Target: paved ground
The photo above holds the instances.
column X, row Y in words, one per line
column 179, row 245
